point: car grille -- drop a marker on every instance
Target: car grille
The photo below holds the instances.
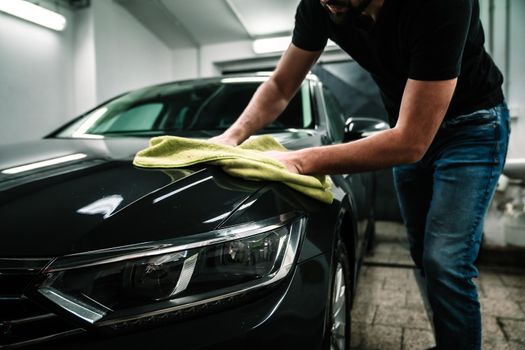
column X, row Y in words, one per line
column 23, row 322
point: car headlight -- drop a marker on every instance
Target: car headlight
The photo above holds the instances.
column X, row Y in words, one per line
column 109, row 286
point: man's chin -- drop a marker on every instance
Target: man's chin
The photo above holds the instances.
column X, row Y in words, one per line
column 338, row 18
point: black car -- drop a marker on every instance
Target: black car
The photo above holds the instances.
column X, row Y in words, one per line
column 97, row 253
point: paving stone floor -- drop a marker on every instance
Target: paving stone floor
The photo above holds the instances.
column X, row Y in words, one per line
column 389, row 312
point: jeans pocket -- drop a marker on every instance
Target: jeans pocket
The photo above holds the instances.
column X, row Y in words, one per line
column 481, row 117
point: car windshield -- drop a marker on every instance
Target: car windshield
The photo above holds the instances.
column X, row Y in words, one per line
column 182, row 108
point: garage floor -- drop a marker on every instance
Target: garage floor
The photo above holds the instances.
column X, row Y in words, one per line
column 389, row 312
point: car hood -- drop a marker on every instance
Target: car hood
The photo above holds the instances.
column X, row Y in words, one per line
column 100, row 200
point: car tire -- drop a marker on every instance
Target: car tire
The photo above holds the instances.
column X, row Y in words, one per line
column 338, row 332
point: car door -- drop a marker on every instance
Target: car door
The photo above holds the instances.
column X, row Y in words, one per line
column 361, row 185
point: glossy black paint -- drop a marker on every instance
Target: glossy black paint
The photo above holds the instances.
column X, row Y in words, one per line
column 53, row 211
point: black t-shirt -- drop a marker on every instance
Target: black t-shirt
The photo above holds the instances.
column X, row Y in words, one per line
column 417, row 39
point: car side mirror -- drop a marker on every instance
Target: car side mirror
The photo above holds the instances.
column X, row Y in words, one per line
column 357, row 127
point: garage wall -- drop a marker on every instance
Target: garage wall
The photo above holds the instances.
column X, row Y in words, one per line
column 127, row 55
column 186, row 64
column 516, row 82
column 504, row 26
column 212, row 54
column 85, row 70
column 36, row 86
column 49, row 77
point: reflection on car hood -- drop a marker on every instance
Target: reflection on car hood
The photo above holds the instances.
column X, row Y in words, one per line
column 99, row 199
column 102, row 201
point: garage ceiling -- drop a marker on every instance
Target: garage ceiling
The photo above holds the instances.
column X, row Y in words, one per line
column 192, row 23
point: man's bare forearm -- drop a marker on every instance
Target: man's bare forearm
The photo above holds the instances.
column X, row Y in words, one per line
column 374, row 152
column 423, row 107
column 273, row 96
column 266, row 105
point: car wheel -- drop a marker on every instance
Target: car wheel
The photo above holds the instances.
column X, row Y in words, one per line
column 340, row 301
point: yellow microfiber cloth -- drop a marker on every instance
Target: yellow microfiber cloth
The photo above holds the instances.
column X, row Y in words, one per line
column 246, row 161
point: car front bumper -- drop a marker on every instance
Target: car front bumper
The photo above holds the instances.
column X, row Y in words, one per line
column 291, row 315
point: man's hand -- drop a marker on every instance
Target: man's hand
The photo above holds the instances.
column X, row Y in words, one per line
column 287, row 159
column 223, row 139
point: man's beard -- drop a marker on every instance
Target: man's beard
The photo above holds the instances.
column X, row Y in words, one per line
column 353, row 12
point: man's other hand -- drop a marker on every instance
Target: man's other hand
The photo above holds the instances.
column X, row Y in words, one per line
column 285, row 158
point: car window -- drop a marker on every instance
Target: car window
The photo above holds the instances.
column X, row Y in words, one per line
column 336, row 118
column 306, row 102
column 223, row 107
column 141, row 117
column 185, row 107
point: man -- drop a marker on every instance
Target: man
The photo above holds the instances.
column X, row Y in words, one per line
column 448, row 139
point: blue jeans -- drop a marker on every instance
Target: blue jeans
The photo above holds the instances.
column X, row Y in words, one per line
column 443, row 199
